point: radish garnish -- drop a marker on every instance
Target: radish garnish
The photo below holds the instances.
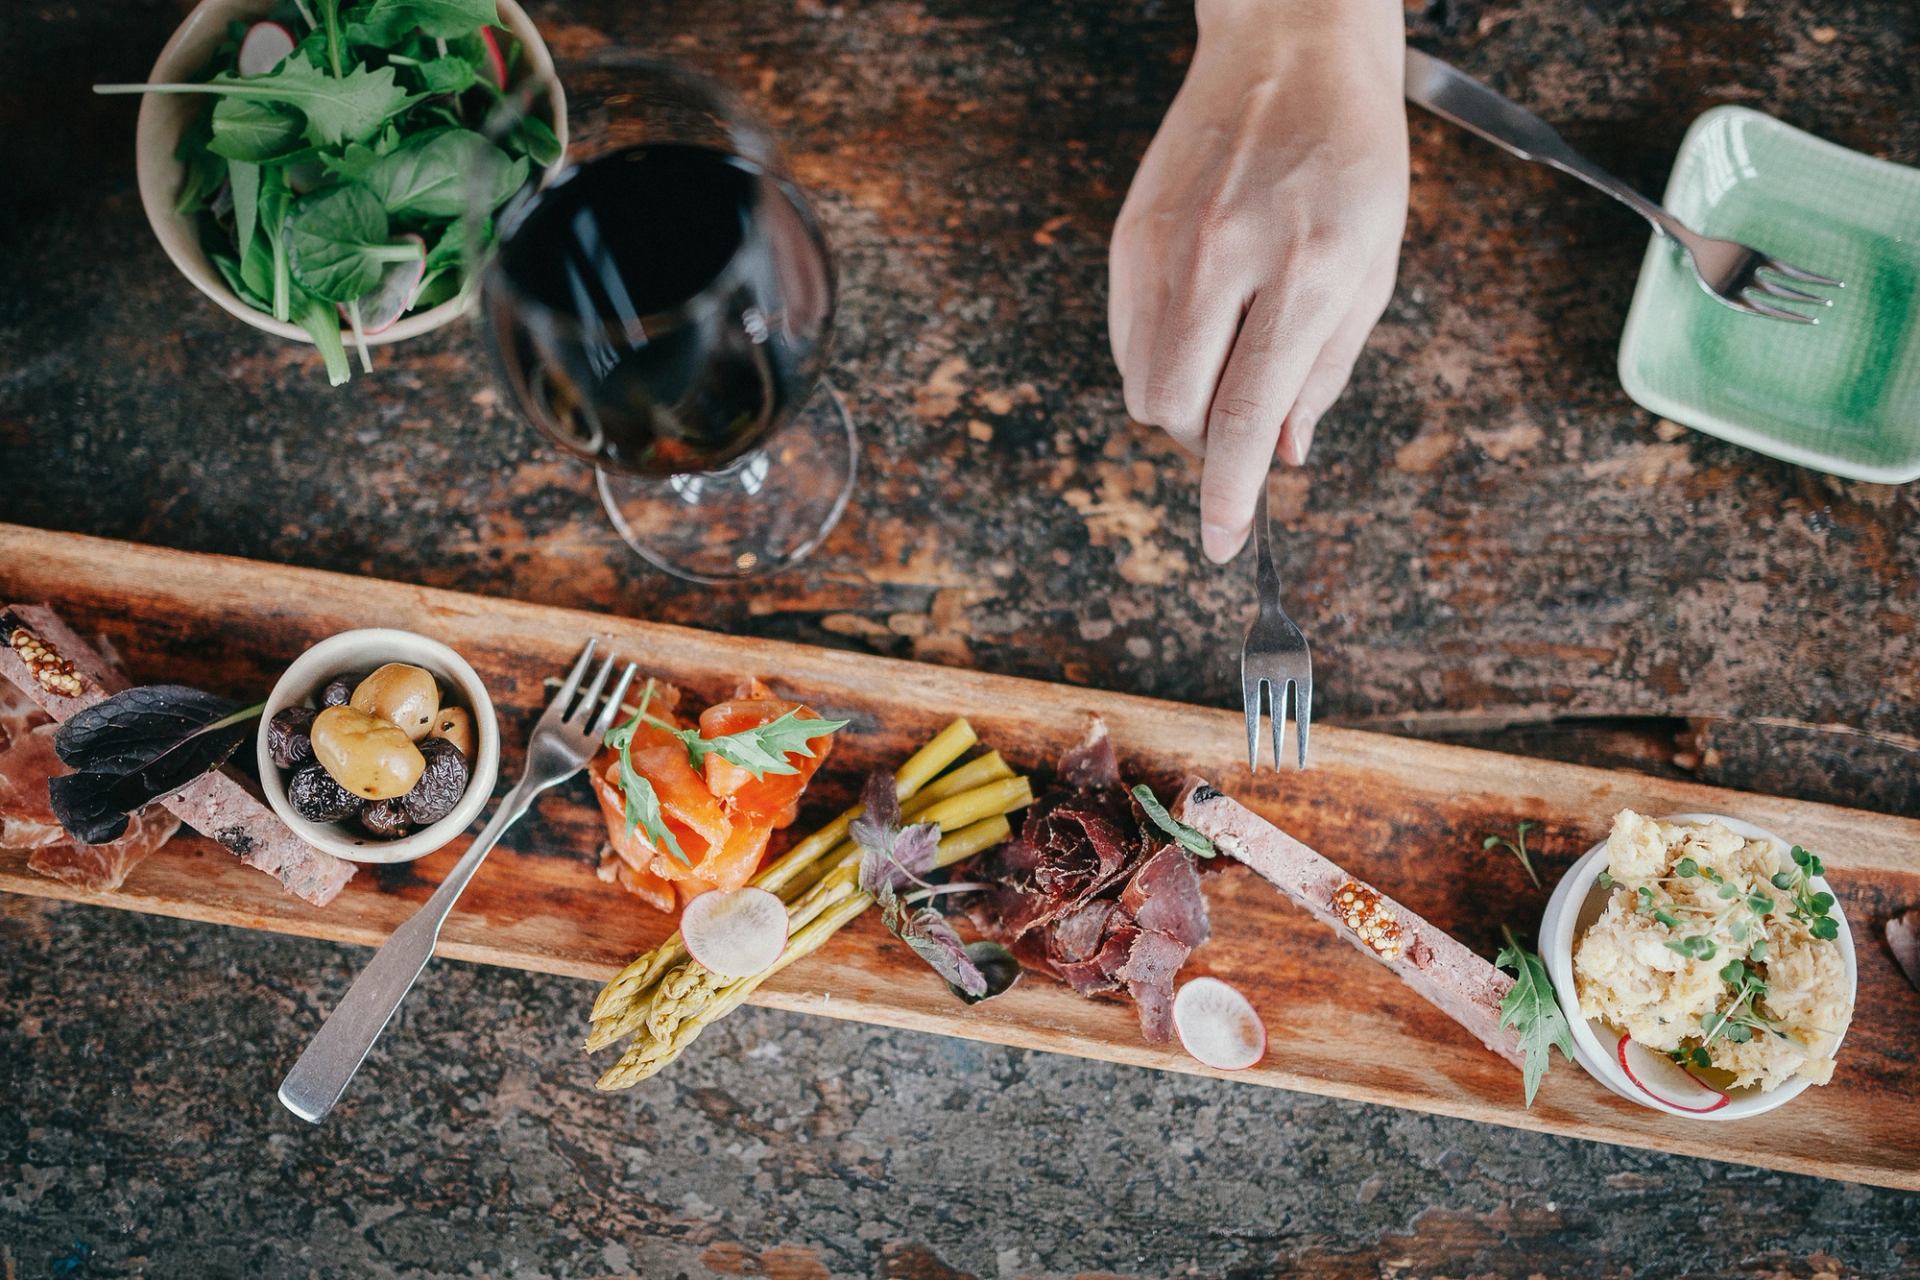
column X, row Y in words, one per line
column 495, row 59
column 735, row 933
column 1217, row 1025
column 264, row 47
column 1664, row 1080
column 394, row 296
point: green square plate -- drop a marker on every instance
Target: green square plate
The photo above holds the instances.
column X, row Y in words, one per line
column 1841, row 396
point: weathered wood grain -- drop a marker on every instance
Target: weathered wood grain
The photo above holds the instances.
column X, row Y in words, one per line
column 1404, row 814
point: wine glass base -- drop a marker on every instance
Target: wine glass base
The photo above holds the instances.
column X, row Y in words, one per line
column 761, row 514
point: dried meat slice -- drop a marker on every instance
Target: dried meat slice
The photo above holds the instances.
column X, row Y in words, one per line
column 1164, row 896
column 1152, row 962
column 1452, row 978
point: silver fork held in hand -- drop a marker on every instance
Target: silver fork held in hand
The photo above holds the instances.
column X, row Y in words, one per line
column 1727, row 269
column 561, row 745
column 1275, row 656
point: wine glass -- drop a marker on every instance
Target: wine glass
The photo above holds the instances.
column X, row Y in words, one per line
column 662, row 308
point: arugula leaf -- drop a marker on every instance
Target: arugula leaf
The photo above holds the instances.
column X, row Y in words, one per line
column 230, row 272
column 1517, row 846
column 433, row 175
column 276, row 202
column 388, row 20
column 1531, row 1009
column 643, row 802
column 244, row 178
column 349, row 108
column 330, row 23
column 338, row 242
column 1194, row 842
column 761, row 750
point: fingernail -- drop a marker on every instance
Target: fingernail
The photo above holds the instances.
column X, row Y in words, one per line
column 1300, row 439
column 1221, row 543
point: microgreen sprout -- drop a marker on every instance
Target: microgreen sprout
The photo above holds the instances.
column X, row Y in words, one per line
column 1517, row 846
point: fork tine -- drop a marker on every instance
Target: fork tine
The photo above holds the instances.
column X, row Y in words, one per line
column 604, row 721
column 1282, row 695
column 591, row 698
column 564, row 694
column 1777, row 313
column 1774, row 289
column 1250, row 696
column 1303, row 714
column 1801, row 274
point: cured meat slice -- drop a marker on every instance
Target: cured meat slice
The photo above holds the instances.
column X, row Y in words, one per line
column 1090, row 764
column 1152, row 962
column 1164, row 896
column 1452, row 978
column 61, row 672
column 27, row 760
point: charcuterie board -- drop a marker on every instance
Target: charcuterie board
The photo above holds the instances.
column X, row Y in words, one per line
column 1406, row 815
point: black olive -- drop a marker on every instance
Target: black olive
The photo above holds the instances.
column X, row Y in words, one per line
column 339, row 691
column 441, row 784
column 287, row 740
column 386, row 819
column 318, row 798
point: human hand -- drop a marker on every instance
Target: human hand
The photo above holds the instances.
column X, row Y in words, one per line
column 1258, row 242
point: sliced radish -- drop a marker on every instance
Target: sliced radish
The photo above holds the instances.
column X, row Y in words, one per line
column 495, row 58
column 735, row 933
column 393, row 297
column 1217, row 1025
column 1664, row 1080
column 264, row 47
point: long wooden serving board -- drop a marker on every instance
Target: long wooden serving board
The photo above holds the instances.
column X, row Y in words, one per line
column 1406, row 815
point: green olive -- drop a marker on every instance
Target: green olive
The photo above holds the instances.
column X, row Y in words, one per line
column 456, row 726
column 401, row 695
column 365, row 754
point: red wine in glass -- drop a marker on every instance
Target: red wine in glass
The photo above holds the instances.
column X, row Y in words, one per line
column 661, row 309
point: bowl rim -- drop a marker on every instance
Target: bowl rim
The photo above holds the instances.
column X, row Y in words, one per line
column 156, row 172
column 353, row 650
column 1557, row 923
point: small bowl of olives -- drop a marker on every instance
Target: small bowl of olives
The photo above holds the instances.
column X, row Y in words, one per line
column 378, row 746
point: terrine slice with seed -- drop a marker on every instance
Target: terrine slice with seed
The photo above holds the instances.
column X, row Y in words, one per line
column 1452, row 978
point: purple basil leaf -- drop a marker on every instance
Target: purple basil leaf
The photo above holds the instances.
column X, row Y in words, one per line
column 889, row 856
column 934, row 941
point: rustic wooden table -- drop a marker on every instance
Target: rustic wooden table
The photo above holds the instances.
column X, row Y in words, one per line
column 1494, row 544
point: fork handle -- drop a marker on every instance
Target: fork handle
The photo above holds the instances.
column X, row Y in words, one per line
column 1454, row 95
column 1266, row 578
column 322, row 1073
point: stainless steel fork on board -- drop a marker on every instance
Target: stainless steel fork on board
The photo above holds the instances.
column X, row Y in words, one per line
column 1275, row 656
column 565, row 738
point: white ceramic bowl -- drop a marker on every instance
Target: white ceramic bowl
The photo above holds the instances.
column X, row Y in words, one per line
column 358, row 652
column 1576, row 902
column 164, row 117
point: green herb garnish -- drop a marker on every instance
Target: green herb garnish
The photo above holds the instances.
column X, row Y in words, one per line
column 643, row 803
column 1809, row 907
column 1193, row 841
column 1531, row 1009
column 1517, row 846
column 760, row 750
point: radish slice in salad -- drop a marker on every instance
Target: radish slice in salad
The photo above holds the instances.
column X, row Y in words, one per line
column 394, row 296
column 1664, row 1080
column 735, row 933
column 1217, row 1025
column 496, row 60
column 264, row 47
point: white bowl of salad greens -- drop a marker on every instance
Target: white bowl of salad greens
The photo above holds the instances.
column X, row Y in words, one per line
column 310, row 164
